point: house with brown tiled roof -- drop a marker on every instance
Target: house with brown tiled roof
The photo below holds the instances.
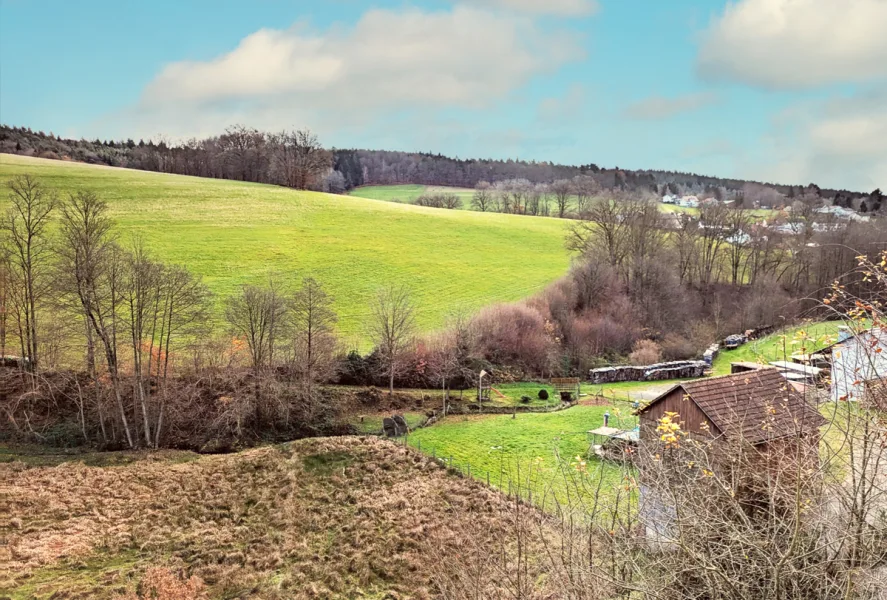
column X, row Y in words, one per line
column 758, row 407
column 755, row 406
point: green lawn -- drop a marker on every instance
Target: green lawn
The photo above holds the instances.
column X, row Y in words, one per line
column 233, row 233
column 805, row 339
column 533, row 451
column 409, row 192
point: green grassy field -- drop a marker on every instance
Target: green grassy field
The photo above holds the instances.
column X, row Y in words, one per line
column 409, row 192
column 536, row 451
column 805, row 339
column 233, row 233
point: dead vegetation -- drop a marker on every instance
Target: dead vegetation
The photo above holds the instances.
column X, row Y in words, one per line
column 321, row 518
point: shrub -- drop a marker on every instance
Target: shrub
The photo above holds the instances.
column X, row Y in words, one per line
column 515, row 335
column 543, row 394
column 645, row 352
column 450, row 201
column 677, row 347
column 525, row 399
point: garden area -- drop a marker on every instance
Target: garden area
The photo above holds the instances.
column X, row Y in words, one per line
column 539, row 456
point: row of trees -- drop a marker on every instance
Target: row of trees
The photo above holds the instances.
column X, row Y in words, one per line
column 72, row 294
column 678, row 281
column 292, row 158
column 295, row 159
column 561, row 198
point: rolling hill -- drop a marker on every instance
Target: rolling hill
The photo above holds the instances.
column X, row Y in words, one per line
column 233, row 233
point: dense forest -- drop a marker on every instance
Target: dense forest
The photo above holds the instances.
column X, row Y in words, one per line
column 243, row 153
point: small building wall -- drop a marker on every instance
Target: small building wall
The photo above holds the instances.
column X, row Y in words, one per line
column 855, row 361
column 691, row 417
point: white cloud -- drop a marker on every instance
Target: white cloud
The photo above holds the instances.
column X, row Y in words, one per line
column 467, row 58
column 659, row 107
column 797, row 43
column 562, row 8
column 840, row 143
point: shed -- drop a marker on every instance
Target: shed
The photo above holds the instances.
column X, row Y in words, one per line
column 758, row 406
column 568, row 388
column 745, row 367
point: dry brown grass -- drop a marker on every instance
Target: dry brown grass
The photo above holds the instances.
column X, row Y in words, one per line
column 318, row 518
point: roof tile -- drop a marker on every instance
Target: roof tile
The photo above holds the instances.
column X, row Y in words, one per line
column 757, row 406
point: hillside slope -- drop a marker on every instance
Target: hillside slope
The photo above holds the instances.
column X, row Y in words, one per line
column 319, row 518
column 234, row 233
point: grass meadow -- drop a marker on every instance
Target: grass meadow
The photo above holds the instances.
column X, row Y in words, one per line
column 534, row 452
column 805, row 339
column 318, row 518
column 233, row 233
column 408, row 193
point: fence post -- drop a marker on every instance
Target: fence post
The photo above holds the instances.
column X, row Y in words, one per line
column 419, row 445
column 488, row 479
column 469, row 470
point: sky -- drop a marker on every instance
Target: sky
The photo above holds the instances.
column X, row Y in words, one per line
column 788, row 91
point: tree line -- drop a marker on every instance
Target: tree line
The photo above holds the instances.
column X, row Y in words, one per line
column 647, row 285
column 296, row 159
column 131, row 343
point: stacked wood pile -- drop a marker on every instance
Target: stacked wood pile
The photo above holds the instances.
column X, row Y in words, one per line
column 681, row 369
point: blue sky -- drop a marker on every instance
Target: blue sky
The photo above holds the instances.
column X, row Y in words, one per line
column 781, row 90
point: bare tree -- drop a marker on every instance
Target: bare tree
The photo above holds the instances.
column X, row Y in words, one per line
column 739, row 239
column 260, row 315
column 482, row 199
column 537, row 199
column 713, row 234
column 562, row 190
column 181, row 311
column 298, row 160
column 501, row 197
column 450, row 354
column 392, row 326
column 683, row 241
column 586, row 188
column 90, row 269
column 314, row 339
column 519, row 193
column 141, row 289
column 25, row 237
column 5, row 284
column 243, row 152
